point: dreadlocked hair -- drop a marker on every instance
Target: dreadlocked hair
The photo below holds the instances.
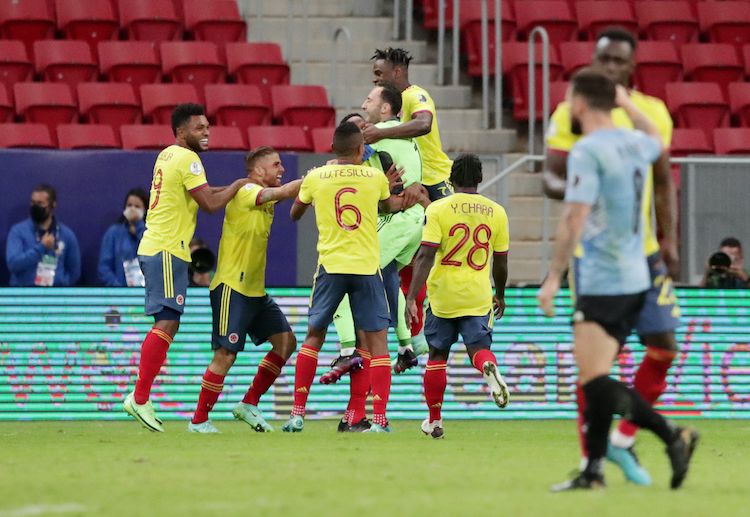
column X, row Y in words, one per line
column 394, row 56
column 466, row 171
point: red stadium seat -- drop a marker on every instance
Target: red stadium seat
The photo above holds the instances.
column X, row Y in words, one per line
column 471, row 30
column 739, row 102
column 114, row 104
column 697, row 105
column 27, row 21
column 194, row 62
column 224, row 138
column 322, row 138
column 302, row 105
column 690, row 141
column 68, row 62
column 593, row 17
column 88, row 20
column 553, row 15
column 218, row 20
column 159, row 100
column 6, row 105
column 725, row 22
column 15, row 65
column 576, row 55
column 712, row 63
column 732, row 140
column 239, row 105
column 281, row 138
column 746, row 59
column 47, row 103
column 86, row 136
column 468, row 10
column 515, row 64
column 657, row 63
column 25, row 135
column 134, row 62
column 147, row 20
column 142, row 137
column 557, row 92
column 668, row 21
column 257, row 63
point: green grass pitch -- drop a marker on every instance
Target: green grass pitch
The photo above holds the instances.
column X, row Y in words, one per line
column 480, row 468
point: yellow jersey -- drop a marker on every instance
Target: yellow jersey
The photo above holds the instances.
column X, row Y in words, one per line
column 466, row 229
column 346, row 199
column 244, row 242
column 172, row 211
column 436, row 166
column 560, row 138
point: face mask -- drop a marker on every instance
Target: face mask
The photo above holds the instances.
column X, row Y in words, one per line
column 38, row 213
column 130, row 211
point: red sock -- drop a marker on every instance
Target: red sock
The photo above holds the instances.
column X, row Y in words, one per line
column 211, row 388
column 380, row 378
column 406, row 273
column 650, row 381
column 153, row 354
column 435, row 380
column 482, row 357
column 268, row 370
column 304, row 373
column 581, row 423
column 359, row 387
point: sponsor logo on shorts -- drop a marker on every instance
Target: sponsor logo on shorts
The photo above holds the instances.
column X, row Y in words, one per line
column 233, row 337
column 180, row 299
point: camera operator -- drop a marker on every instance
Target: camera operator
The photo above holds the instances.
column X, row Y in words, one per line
column 725, row 269
column 202, row 264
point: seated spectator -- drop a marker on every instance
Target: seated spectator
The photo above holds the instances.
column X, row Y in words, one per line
column 118, row 258
column 41, row 251
column 202, row 264
column 725, row 268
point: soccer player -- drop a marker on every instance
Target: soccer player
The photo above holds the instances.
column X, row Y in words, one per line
column 615, row 57
column 607, row 171
column 346, row 197
column 461, row 234
column 178, row 189
column 239, row 303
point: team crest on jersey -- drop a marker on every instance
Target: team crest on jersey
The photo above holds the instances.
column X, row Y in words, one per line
column 196, row 168
column 422, row 98
column 180, row 299
column 233, row 337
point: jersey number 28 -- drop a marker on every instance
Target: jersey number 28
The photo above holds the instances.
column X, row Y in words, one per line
column 479, row 244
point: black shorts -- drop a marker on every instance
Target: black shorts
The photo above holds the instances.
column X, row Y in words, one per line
column 235, row 316
column 617, row 314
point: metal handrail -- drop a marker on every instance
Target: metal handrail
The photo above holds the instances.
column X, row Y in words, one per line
column 335, row 61
column 510, row 168
column 542, row 33
column 486, row 66
column 409, row 20
column 498, row 64
column 455, row 57
column 290, row 33
column 441, row 43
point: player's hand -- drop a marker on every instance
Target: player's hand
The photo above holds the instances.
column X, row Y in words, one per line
column 239, row 183
column 622, row 97
column 48, row 240
column 394, row 177
column 412, row 195
column 738, row 272
column 498, row 306
column 412, row 315
column 546, row 295
column 372, row 134
column 671, row 258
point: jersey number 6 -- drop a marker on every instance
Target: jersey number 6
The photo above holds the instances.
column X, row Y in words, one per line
column 478, row 245
column 158, row 176
column 340, row 209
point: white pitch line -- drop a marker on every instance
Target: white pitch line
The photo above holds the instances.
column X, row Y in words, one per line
column 42, row 509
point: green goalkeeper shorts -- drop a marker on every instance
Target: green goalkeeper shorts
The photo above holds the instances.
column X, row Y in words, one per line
column 399, row 235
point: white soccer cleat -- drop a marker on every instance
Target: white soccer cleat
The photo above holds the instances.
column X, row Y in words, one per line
column 204, row 428
column 494, row 380
column 434, row 428
column 143, row 413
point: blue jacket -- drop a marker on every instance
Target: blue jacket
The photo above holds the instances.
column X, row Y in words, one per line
column 118, row 245
column 24, row 252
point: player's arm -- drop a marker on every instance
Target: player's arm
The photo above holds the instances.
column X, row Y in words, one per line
column 211, row 202
column 392, row 204
column 298, row 210
column 420, row 124
column 554, row 174
column 422, row 266
column 500, row 276
column 281, row 193
column 640, row 121
column 665, row 205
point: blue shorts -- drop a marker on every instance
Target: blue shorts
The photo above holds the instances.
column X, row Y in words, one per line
column 166, row 279
column 366, row 296
column 235, row 316
column 660, row 313
column 438, row 190
column 392, row 284
column 442, row 333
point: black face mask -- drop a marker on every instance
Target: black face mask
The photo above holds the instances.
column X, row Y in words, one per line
column 38, row 213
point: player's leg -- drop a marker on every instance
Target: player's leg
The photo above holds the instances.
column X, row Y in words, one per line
column 573, row 274
column 359, row 387
column 417, row 328
column 477, row 334
column 441, row 334
column 211, row 386
column 349, row 359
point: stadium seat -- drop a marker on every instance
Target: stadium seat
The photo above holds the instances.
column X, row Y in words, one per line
column 218, row 21
column 690, row 141
column 239, row 105
column 46, row 103
column 746, row 59
column 158, row 100
column 471, row 34
column 134, row 62
column 87, row 20
column 575, row 55
column 725, row 22
column 302, row 105
column 25, row 135
column 194, row 62
column 553, row 15
column 6, row 105
column 739, row 102
column 557, row 91
column 225, row 138
column 147, row 20
column 143, row 137
column 66, row 61
column 15, row 65
column 712, row 63
column 322, row 139
column 114, row 104
column 86, row 136
column 593, row 17
column 469, row 10
column 27, row 21
column 657, row 63
column 257, row 63
column 668, row 21
column 697, row 105
column 732, row 140
column 515, row 66
column 281, row 138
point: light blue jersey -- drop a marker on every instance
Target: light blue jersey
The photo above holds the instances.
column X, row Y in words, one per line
column 607, row 170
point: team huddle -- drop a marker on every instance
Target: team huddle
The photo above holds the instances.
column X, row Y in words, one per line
column 400, row 224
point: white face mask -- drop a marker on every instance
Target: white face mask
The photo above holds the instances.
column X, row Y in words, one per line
column 130, row 211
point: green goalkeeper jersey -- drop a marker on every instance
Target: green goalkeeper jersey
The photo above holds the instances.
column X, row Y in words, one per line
column 403, row 151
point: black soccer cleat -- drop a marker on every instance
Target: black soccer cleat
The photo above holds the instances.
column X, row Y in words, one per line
column 405, row 360
column 680, row 451
column 341, row 366
column 343, row 426
column 360, row 427
column 582, row 481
